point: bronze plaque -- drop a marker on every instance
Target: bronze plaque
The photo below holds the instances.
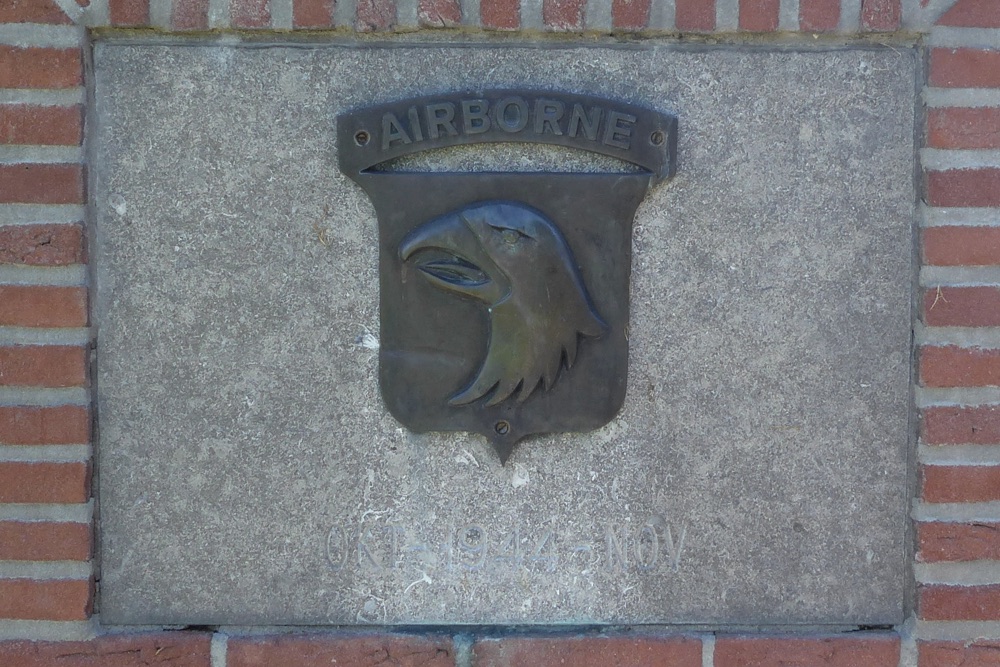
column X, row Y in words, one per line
column 504, row 297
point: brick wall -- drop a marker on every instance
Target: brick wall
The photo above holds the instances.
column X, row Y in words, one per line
column 47, row 575
column 958, row 494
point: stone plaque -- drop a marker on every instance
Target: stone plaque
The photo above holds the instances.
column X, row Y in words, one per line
column 250, row 472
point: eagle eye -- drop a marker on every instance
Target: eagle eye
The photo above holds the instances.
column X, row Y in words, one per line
column 509, row 234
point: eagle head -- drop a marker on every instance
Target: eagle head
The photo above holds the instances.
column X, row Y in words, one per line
column 511, row 258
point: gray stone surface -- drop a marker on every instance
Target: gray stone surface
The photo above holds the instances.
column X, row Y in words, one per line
column 250, row 475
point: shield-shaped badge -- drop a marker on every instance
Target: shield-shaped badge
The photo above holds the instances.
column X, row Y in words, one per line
column 504, row 296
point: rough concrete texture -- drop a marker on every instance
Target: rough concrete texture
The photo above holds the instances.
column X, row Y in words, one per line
column 249, row 473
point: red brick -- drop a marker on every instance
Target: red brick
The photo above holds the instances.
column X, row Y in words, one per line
column 500, row 14
column 881, row 15
column 250, row 13
column 28, row 599
column 855, row 651
column 958, row 603
column 962, row 307
column 43, row 366
column 696, row 15
column 953, row 425
column 42, row 306
column 953, row 542
column 953, row 366
column 961, row 246
column 354, row 650
column 630, row 14
column 46, row 126
column 563, row 14
column 964, row 128
column 190, row 15
column 819, row 15
column 41, row 184
column 44, row 541
column 978, row 653
column 313, row 13
column 439, row 13
column 964, row 187
column 964, row 68
column 759, row 15
column 40, row 68
column 960, row 484
column 588, row 651
column 59, row 425
column 129, row 12
column 22, row 482
column 167, row 649
column 42, row 245
column 374, row 15
column 32, row 11
column 972, row 14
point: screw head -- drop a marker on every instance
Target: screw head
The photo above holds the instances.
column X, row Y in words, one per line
column 657, row 138
column 361, row 138
column 502, row 427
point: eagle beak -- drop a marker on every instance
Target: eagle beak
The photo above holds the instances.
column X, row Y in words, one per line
column 448, row 233
column 453, row 260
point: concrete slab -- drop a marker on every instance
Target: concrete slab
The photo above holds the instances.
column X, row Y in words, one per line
column 249, row 473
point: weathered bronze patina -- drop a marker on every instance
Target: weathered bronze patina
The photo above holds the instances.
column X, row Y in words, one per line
column 504, row 295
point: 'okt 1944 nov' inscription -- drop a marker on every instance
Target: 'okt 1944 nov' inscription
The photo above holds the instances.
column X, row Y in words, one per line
column 655, row 545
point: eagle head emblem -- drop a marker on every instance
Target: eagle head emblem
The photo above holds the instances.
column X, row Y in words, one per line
column 514, row 260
